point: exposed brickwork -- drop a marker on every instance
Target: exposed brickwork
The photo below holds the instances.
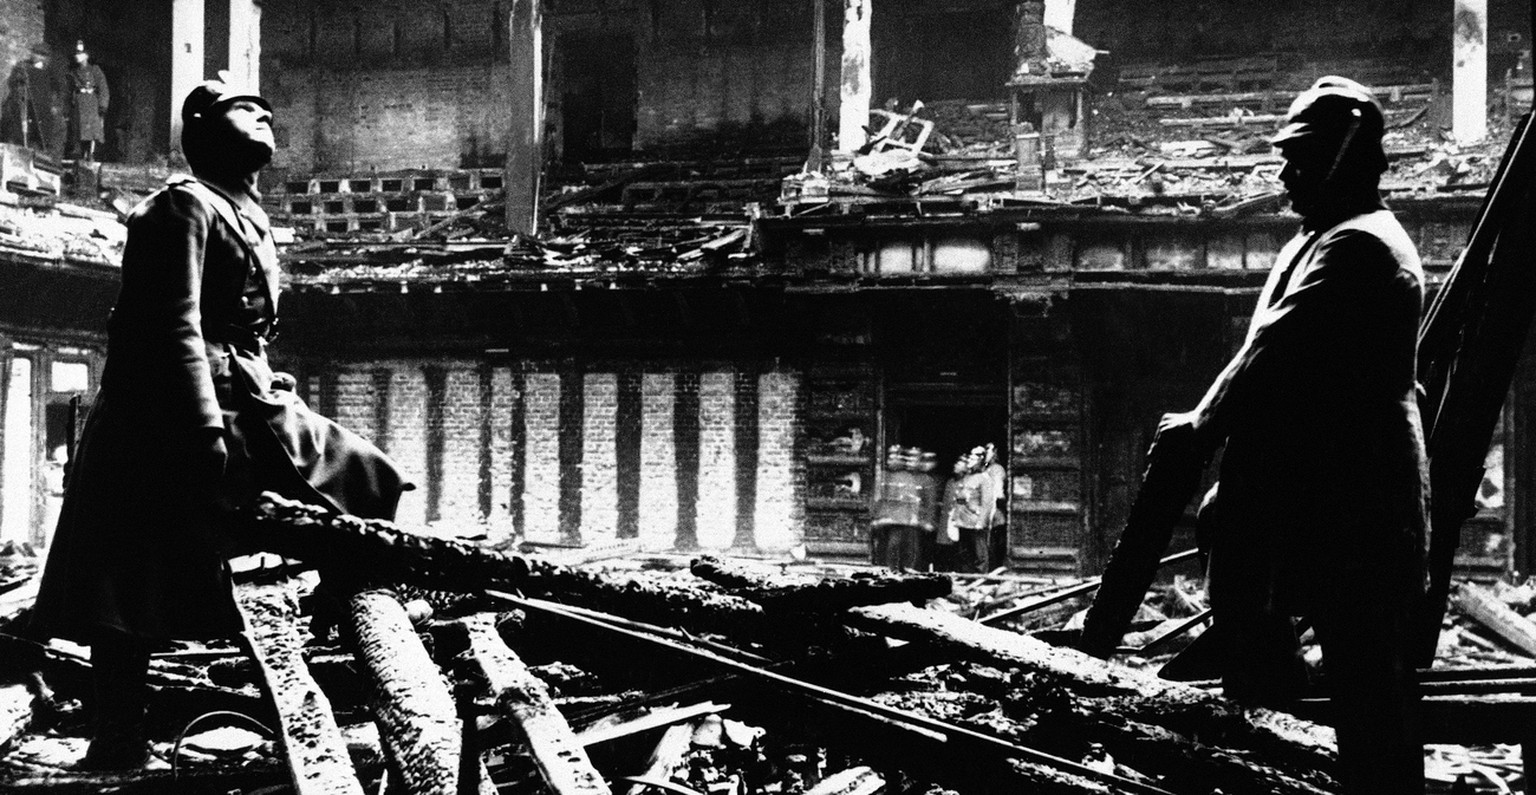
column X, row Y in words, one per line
column 434, row 92
column 355, row 400
column 700, row 456
column 746, row 432
column 572, row 415
column 780, row 508
column 716, row 513
column 629, row 429
column 685, row 441
column 599, row 464
column 658, row 462
column 459, row 497
column 541, row 479
column 504, row 398
column 406, row 441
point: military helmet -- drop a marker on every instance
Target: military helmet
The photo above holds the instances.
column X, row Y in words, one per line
column 210, row 95
column 1330, row 107
column 1337, row 111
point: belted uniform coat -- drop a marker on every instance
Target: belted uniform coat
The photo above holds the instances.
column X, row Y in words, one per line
column 143, row 534
column 1324, row 473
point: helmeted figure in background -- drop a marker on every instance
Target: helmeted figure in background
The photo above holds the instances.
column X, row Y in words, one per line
column 1321, row 507
column 902, row 528
column 89, row 97
column 190, row 423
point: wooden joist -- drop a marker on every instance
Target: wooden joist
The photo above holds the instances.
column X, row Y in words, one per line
column 1297, row 756
column 818, row 594
column 336, row 542
column 316, row 752
column 524, row 700
column 418, row 721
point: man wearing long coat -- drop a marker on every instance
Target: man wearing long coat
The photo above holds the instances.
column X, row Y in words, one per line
column 190, row 422
column 89, row 97
column 1322, row 502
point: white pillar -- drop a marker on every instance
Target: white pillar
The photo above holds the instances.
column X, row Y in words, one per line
column 1059, row 13
column 525, row 134
column 245, row 44
column 186, row 58
column 853, row 114
column 1470, row 76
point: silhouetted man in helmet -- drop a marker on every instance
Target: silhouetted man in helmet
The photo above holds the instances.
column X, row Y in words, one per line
column 189, row 424
column 1321, row 506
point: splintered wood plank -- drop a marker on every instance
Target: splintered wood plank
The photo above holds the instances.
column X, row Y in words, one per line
column 524, row 700
column 1486, row 609
column 853, row 781
column 316, row 751
column 418, row 721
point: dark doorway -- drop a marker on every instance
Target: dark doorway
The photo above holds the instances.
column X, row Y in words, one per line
column 923, row 54
column 599, row 96
column 947, row 424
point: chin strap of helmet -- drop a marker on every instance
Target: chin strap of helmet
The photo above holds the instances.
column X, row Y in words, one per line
column 1349, row 136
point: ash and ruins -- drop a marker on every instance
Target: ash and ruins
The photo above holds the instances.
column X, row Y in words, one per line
column 776, row 381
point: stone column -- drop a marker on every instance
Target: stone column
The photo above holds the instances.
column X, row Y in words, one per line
column 1470, row 75
column 853, row 114
column 245, row 44
column 186, row 58
column 1059, row 13
column 525, row 133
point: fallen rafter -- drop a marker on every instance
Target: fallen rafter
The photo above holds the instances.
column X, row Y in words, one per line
column 522, row 699
column 816, row 594
column 312, row 740
column 418, row 721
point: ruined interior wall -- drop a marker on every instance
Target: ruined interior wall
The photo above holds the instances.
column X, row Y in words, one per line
column 573, row 450
column 384, row 86
column 129, row 41
column 21, row 28
column 1418, row 31
column 734, row 73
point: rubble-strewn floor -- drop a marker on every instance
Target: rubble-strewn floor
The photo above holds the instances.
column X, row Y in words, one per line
column 644, row 737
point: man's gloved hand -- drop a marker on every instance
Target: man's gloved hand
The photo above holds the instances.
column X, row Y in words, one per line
column 284, row 382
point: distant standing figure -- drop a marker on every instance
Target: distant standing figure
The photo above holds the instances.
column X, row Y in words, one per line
column 89, row 97
column 972, row 514
column 905, row 512
column 997, row 540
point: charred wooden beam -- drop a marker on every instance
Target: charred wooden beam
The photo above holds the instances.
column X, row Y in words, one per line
column 418, row 721
column 1297, row 748
column 385, row 553
column 816, row 594
column 317, row 754
column 388, row 554
column 524, row 700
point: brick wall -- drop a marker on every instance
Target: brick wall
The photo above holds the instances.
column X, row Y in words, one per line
column 387, row 86
column 418, row 85
column 692, row 93
column 690, row 456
